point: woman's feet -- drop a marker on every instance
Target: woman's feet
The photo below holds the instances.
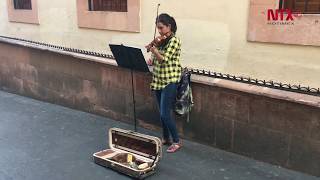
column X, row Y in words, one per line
column 166, row 142
column 174, row 147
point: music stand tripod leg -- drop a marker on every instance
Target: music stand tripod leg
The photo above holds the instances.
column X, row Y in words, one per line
column 134, row 102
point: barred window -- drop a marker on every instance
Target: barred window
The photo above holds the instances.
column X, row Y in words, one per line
column 22, row 4
column 108, row 5
column 301, row 6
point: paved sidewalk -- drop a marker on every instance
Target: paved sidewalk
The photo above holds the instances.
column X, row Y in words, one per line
column 41, row 141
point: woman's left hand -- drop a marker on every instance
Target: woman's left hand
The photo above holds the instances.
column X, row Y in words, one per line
column 148, row 47
column 154, row 50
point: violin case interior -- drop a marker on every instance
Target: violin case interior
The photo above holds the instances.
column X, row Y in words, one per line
column 131, row 153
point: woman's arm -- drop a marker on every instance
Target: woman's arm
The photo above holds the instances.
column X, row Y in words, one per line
column 157, row 54
column 173, row 46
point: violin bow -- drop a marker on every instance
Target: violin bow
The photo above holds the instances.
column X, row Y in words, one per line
column 155, row 27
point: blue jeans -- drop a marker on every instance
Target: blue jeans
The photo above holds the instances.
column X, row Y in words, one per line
column 166, row 99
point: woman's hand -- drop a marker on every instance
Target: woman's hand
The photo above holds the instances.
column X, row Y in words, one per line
column 149, row 62
column 148, row 47
column 157, row 54
column 154, row 50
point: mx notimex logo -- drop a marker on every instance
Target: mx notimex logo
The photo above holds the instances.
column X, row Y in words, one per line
column 281, row 16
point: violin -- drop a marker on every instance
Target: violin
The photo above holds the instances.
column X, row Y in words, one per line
column 159, row 41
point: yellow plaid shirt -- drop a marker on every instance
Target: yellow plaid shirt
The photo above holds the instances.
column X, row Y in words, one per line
column 169, row 70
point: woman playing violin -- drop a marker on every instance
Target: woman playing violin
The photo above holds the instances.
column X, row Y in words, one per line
column 166, row 74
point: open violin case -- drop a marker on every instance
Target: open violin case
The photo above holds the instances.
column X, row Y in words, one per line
column 131, row 153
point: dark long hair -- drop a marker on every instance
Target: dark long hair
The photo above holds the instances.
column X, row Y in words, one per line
column 167, row 20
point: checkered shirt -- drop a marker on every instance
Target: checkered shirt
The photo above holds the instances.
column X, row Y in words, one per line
column 169, row 70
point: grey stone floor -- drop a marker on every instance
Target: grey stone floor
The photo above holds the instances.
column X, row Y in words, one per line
column 42, row 141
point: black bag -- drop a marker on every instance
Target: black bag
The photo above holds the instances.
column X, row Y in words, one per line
column 184, row 99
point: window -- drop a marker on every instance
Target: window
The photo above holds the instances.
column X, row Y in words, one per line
column 117, row 15
column 108, row 5
column 22, row 4
column 301, row 6
column 23, row 11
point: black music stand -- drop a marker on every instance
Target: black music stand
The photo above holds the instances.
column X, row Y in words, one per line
column 133, row 59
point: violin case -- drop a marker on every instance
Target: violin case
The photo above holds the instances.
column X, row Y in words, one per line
column 131, row 153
